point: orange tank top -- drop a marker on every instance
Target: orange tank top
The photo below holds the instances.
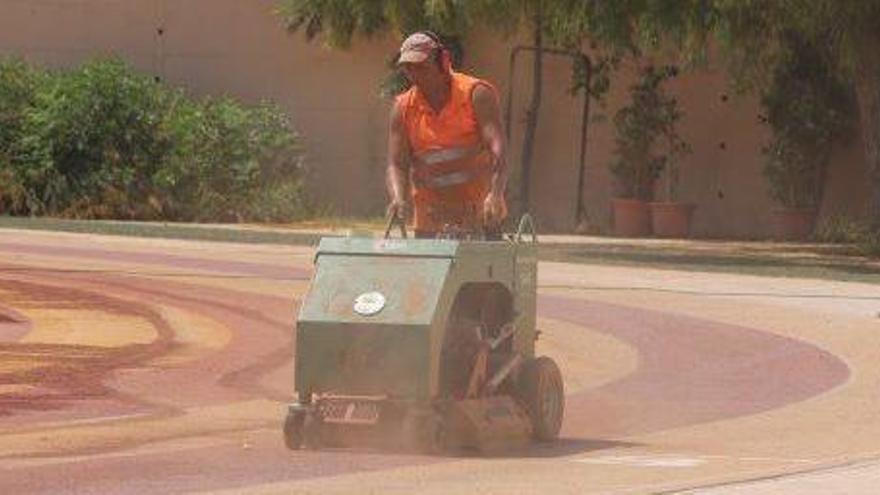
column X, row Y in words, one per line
column 450, row 167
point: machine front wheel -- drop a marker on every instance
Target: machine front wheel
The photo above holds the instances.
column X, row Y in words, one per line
column 294, row 428
column 541, row 392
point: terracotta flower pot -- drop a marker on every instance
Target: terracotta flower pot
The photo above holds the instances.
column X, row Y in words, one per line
column 632, row 217
column 793, row 224
column 671, row 219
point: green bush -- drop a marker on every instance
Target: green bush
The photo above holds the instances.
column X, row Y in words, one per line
column 91, row 142
column 841, row 229
column 19, row 84
column 870, row 246
column 229, row 162
column 102, row 141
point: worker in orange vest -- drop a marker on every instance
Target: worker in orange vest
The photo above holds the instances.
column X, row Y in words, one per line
column 446, row 146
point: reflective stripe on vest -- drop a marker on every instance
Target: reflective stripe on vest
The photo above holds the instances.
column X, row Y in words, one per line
column 435, row 177
column 433, row 157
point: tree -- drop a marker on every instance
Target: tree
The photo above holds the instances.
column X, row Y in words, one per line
column 646, row 139
column 338, row 21
column 808, row 111
column 753, row 34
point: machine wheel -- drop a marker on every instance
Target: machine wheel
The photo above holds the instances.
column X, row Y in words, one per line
column 294, row 429
column 313, row 435
column 542, row 395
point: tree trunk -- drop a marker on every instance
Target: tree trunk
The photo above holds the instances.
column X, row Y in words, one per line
column 532, row 113
column 867, row 83
column 821, row 180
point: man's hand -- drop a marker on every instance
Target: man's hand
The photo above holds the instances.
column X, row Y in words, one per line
column 398, row 207
column 494, row 209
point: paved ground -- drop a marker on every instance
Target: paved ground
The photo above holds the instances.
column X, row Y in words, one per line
column 157, row 366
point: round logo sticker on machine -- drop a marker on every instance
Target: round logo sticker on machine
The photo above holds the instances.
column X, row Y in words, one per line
column 369, row 303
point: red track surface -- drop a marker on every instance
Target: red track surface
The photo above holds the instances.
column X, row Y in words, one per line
column 690, row 371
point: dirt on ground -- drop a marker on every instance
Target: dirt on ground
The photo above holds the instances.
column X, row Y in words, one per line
column 157, row 366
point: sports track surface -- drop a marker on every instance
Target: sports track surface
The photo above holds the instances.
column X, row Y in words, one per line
column 158, row 366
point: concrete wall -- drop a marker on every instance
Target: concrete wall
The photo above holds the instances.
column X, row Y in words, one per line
column 238, row 47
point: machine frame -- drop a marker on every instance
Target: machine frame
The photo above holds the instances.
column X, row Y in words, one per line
column 427, row 341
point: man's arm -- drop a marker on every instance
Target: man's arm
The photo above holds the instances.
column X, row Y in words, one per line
column 396, row 176
column 488, row 113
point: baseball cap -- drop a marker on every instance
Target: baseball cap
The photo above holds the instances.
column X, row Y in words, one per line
column 417, row 48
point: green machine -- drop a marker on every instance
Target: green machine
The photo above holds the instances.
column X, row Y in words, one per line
column 428, row 343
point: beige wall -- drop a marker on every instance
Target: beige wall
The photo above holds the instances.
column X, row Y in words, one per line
column 238, row 47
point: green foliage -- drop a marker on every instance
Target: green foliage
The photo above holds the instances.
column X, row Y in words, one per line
column 102, row 141
column 753, row 32
column 841, row 229
column 18, row 87
column 19, row 84
column 646, row 138
column 870, row 246
column 337, row 22
column 232, row 163
column 808, row 110
column 749, row 31
column 595, row 80
column 752, row 36
column 91, row 133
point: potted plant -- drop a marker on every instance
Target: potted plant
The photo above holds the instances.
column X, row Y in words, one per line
column 807, row 111
column 646, row 143
column 671, row 217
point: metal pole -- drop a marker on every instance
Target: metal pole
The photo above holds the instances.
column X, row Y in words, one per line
column 579, row 207
column 579, row 213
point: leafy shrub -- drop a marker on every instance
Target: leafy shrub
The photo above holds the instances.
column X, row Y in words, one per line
column 228, row 160
column 846, row 230
column 870, row 245
column 841, row 229
column 91, row 141
column 19, row 84
column 102, row 141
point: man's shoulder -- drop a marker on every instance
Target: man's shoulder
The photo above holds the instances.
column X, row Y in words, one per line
column 475, row 86
column 467, row 79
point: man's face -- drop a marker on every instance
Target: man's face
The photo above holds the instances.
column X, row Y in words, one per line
column 423, row 74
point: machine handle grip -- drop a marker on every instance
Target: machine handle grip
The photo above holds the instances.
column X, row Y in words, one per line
column 394, row 218
column 526, row 226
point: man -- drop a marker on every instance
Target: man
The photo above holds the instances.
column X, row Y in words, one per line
column 445, row 146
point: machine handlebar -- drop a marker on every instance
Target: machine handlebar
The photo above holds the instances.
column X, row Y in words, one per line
column 526, row 226
column 394, row 218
